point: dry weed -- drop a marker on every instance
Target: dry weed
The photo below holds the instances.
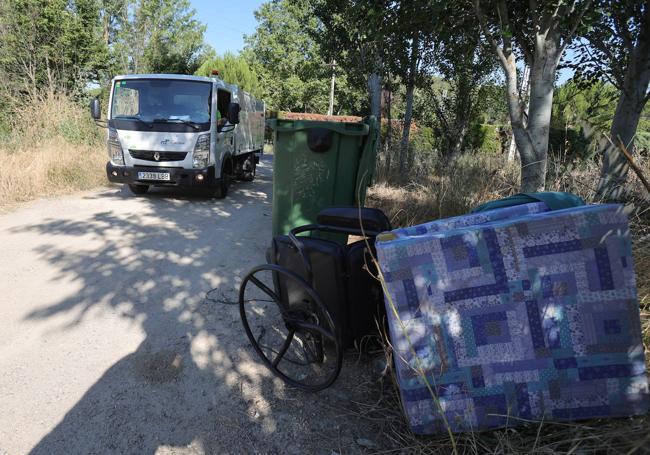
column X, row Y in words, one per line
column 52, row 148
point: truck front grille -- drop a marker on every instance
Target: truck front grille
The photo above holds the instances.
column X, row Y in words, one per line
column 151, row 155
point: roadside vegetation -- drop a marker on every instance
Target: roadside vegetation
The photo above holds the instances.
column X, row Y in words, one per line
column 49, row 147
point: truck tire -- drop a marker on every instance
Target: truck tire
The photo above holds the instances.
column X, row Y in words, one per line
column 138, row 189
column 221, row 191
column 250, row 175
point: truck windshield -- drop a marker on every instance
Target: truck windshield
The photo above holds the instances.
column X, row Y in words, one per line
column 161, row 104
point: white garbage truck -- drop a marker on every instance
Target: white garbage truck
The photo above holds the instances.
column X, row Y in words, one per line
column 183, row 131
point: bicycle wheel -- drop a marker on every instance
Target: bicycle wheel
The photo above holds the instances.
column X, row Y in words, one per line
column 289, row 327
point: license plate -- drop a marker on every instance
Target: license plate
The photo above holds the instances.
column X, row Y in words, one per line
column 153, row 176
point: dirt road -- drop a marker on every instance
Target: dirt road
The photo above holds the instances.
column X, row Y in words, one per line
column 108, row 344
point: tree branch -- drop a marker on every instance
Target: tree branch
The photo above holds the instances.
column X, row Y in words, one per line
column 525, row 48
column 548, row 20
column 484, row 27
column 574, row 26
column 506, row 29
column 602, row 47
column 620, row 23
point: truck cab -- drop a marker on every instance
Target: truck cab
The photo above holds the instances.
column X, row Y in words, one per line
column 183, row 131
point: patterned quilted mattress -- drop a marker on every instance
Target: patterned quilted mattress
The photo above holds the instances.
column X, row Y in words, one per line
column 515, row 315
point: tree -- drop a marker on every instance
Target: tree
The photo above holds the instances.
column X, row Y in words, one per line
column 164, row 37
column 114, row 18
column 233, row 69
column 617, row 49
column 151, row 36
column 53, row 44
column 285, row 56
column 541, row 32
column 410, row 38
column 355, row 34
column 292, row 67
column 466, row 65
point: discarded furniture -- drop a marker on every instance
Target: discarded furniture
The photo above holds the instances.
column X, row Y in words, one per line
column 515, row 315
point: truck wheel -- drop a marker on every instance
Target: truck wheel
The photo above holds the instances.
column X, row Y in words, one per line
column 138, row 189
column 221, row 191
column 250, row 175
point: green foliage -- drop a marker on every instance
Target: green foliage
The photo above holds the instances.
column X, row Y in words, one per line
column 486, row 139
column 63, row 45
column 293, row 74
column 153, row 36
column 581, row 115
column 233, row 69
column 594, row 104
column 356, row 34
column 286, row 58
column 424, row 140
column 607, row 47
column 642, row 141
column 50, row 43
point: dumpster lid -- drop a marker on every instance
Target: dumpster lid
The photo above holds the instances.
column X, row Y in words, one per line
column 346, row 128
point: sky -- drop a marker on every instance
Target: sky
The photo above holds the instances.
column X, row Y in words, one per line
column 227, row 22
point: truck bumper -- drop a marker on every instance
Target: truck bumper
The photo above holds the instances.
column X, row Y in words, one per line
column 186, row 178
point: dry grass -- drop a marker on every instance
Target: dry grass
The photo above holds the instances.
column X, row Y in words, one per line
column 453, row 191
column 52, row 148
column 449, row 191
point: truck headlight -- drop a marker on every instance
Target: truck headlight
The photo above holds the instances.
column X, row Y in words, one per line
column 201, row 155
column 115, row 153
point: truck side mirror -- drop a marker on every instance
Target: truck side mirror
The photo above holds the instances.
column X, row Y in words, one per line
column 95, row 109
column 233, row 113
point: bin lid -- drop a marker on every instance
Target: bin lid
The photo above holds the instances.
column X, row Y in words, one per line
column 346, row 128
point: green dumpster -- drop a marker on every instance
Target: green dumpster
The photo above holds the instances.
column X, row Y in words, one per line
column 319, row 164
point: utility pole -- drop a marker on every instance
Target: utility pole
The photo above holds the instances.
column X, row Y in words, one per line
column 330, row 111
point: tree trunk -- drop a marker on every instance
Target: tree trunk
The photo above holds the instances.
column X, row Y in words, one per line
column 389, row 128
column 531, row 136
column 626, row 119
column 374, row 90
column 516, row 112
column 408, row 117
column 106, row 21
column 542, row 78
column 458, row 141
column 524, row 91
column 408, row 112
column 463, row 107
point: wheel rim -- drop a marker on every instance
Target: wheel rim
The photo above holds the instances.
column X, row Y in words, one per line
column 295, row 339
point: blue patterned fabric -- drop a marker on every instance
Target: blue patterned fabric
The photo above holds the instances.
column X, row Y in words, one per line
column 515, row 317
column 471, row 219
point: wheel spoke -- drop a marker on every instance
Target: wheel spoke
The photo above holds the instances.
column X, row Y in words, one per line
column 315, row 328
column 283, row 350
column 265, row 289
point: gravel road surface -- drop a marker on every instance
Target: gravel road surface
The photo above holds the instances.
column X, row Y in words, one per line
column 108, row 344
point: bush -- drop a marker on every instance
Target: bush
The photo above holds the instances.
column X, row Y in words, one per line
column 485, row 139
column 570, row 143
column 52, row 144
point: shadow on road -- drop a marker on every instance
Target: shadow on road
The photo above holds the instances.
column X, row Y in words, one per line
column 193, row 385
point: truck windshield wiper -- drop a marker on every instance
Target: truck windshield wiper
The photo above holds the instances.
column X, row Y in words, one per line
column 132, row 117
column 177, row 120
